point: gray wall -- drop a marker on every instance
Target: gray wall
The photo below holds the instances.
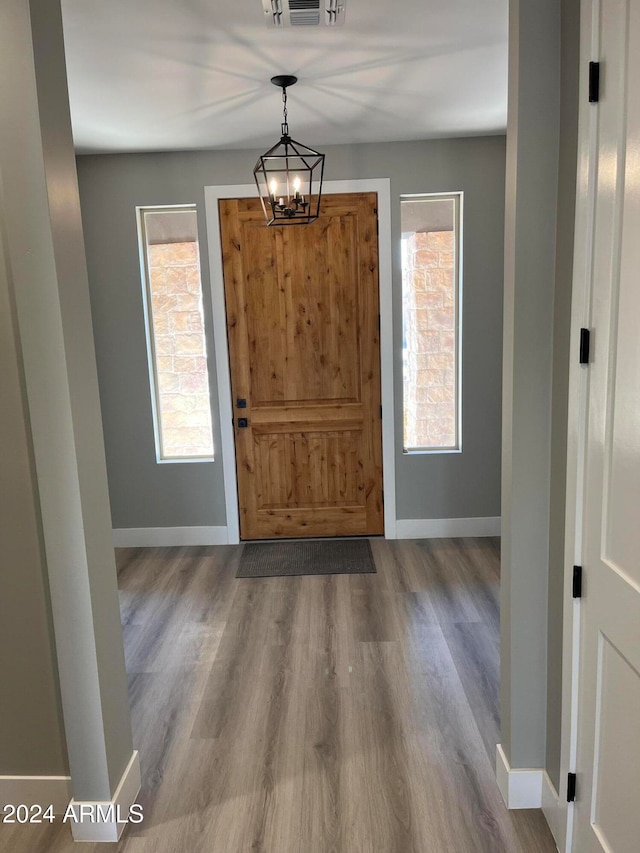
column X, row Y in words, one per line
column 31, row 734
column 530, row 240
column 570, row 37
column 46, row 265
column 145, row 494
column 539, row 221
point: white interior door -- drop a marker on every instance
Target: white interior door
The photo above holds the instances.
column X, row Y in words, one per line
column 607, row 810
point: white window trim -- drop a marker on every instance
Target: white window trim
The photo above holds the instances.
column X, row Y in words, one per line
column 150, row 341
column 458, row 198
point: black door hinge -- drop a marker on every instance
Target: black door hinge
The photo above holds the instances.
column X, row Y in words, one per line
column 378, row 227
column 577, row 582
column 571, row 787
column 594, row 82
column 381, row 410
column 585, row 343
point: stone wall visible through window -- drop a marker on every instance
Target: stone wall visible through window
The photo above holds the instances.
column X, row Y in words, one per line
column 181, row 376
column 430, row 319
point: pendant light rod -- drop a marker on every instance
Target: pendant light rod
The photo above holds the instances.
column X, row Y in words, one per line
column 283, row 81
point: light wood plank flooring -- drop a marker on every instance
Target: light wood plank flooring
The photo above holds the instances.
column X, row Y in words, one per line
column 335, row 714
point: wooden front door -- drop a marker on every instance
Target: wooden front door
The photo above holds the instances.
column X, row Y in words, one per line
column 304, row 348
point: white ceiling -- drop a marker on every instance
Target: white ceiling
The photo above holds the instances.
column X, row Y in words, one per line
column 153, row 75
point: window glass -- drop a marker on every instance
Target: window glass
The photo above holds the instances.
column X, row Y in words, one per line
column 431, row 321
column 175, row 333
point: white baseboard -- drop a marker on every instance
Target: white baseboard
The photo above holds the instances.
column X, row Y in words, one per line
column 161, row 537
column 122, row 800
column 532, row 789
column 36, row 791
column 406, row 528
column 437, row 528
column 520, row 789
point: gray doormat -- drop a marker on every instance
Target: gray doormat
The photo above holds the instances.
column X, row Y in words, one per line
column 313, row 557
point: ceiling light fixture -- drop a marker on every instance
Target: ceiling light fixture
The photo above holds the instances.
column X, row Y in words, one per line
column 289, row 176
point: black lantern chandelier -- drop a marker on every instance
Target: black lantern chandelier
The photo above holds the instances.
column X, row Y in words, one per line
column 289, row 175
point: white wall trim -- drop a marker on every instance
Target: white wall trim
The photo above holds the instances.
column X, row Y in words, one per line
column 531, row 788
column 521, row 788
column 123, row 798
column 381, row 186
column 437, row 528
column 159, row 537
column 36, row 791
column 581, row 301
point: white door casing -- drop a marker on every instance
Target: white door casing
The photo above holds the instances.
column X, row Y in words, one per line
column 607, row 809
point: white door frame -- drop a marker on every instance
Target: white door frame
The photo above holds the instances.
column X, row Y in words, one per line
column 381, row 186
column 558, row 812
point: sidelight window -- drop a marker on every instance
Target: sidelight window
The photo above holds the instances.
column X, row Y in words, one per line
column 176, row 344
column 431, row 298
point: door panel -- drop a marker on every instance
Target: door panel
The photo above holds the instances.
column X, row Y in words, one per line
column 303, row 327
column 616, row 818
column 608, row 762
